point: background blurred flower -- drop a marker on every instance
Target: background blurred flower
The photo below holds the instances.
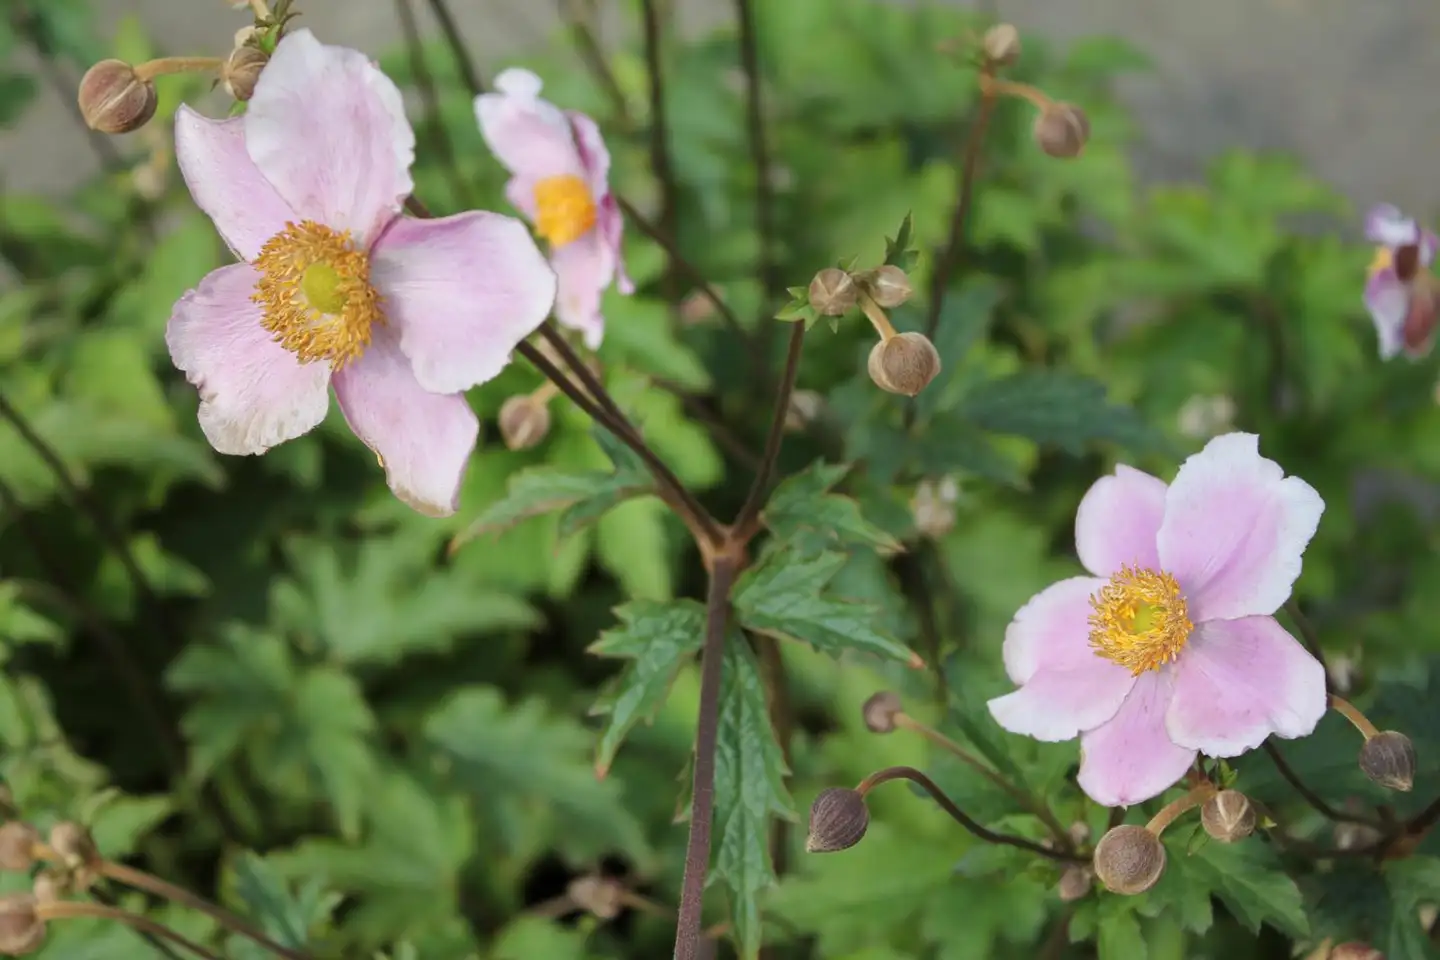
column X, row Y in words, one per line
column 1400, row 292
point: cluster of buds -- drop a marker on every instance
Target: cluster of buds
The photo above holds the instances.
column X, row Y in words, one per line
column 71, row 862
column 902, row 363
column 1061, row 129
column 933, row 506
column 1130, row 858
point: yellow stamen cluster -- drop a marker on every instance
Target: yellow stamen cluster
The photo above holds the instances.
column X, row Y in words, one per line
column 316, row 295
column 564, row 209
column 1139, row 620
column 1384, row 260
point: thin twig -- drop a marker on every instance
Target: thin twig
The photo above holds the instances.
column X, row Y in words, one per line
column 1310, row 796
column 759, row 151
column 69, row 909
column 1425, row 819
column 582, row 372
column 160, row 945
column 660, row 162
column 960, row 816
column 712, row 421
column 702, row 806
column 588, row 46
column 463, row 61
column 430, row 95
column 747, row 523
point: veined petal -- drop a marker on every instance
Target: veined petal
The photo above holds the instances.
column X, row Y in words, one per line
column 1118, row 521
column 594, row 155
column 530, row 136
column 1238, row 682
column 462, row 291
column 254, row 394
column 424, row 440
column 327, row 128
column 1052, row 630
column 1060, row 704
column 1131, row 758
column 1388, row 301
column 583, row 269
column 225, row 182
column 1235, row 529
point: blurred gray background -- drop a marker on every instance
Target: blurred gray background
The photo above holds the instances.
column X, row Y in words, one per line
column 1352, row 86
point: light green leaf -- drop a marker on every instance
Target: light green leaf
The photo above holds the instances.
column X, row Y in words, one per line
column 803, row 504
column 1058, row 407
column 286, row 917
column 1250, row 881
column 530, row 938
column 19, row 624
column 120, row 822
column 632, row 545
column 658, row 639
column 750, row 776
column 1119, row 936
column 639, row 331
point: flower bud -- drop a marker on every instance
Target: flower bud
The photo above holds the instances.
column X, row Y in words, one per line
column 886, row 285
column 17, row 846
column 241, row 71
column 1075, row 882
column 524, row 421
column 804, row 409
column 1061, row 130
column 21, row 929
column 1388, row 758
column 1228, row 816
column 933, row 507
column 880, row 711
column 832, row 292
column 838, row 820
column 114, row 100
column 50, row 886
column 1002, row 44
column 904, row 363
column 1355, row 950
column 74, row 844
column 1129, row 859
column 601, row 897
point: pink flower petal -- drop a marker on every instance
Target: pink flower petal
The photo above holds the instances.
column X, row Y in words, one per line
column 1059, row 704
column 462, row 291
column 583, row 269
column 424, row 440
column 530, row 136
column 611, row 225
column 594, row 155
column 328, row 129
column 1052, row 630
column 254, row 394
column 1131, row 759
column 1235, row 529
column 226, row 184
column 1388, row 301
column 1386, row 225
column 1118, row 520
column 1238, row 681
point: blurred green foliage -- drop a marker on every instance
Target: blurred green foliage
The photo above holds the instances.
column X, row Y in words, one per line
column 269, row 681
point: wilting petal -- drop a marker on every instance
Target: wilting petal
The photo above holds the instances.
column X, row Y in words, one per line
column 1060, row 704
column 328, row 129
column 225, row 182
column 530, row 136
column 253, row 393
column 1052, row 630
column 1238, row 681
column 1118, row 521
column 1388, row 301
column 462, row 291
column 424, row 440
column 1235, row 529
column 583, row 269
column 1131, row 758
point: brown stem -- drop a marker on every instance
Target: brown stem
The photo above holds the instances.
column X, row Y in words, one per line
column 430, row 96
column 660, row 162
column 1425, row 819
column 588, row 45
column 69, row 909
column 959, row 816
column 748, row 521
column 1006, row 88
column 876, row 315
column 164, row 66
column 759, row 151
column 1350, row 712
column 463, row 61
column 1310, row 796
column 702, row 806
column 1175, row 808
column 150, row 883
column 719, row 430
column 582, row 372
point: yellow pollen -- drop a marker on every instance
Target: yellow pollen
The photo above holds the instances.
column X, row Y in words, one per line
column 564, row 209
column 1384, row 260
column 1139, row 620
column 315, row 292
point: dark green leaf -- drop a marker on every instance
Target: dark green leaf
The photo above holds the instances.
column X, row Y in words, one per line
column 803, row 503
column 899, row 251
column 1056, row 407
column 1118, row 932
column 1250, row 881
column 285, row 917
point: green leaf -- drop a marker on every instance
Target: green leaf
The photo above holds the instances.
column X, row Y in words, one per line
column 803, row 504
column 1251, row 883
column 798, row 310
column 658, row 639
column 19, row 624
column 750, row 776
column 640, row 332
column 898, row 251
column 964, row 321
column 633, row 547
column 286, row 917
column 530, row 938
column 783, row 596
column 1056, row 407
column 1118, row 932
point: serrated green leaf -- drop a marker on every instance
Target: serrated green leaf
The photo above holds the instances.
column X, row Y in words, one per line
column 1118, row 935
column 783, row 596
column 1251, row 883
column 539, row 490
column 898, row 251
column 283, row 916
column 750, row 787
column 803, row 503
column 659, row 638
column 1056, row 407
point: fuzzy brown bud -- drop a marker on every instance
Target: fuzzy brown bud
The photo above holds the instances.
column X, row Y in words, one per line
column 838, row 820
column 1228, row 816
column 524, row 421
column 113, row 99
column 1129, row 859
column 602, row 897
column 887, row 285
column 17, row 846
column 833, row 292
column 241, row 71
column 805, row 407
column 50, row 886
column 74, row 844
column 21, row 929
column 1075, row 882
column 1388, row 758
column 1354, row 950
column 904, row 364
column 1002, row 44
column 1062, row 130
column 880, row 711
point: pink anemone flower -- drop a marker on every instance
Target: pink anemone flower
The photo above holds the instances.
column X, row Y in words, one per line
column 335, row 288
column 1169, row 647
column 1400, row 293
column 560, row 173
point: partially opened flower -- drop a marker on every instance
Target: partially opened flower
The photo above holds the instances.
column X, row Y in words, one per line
column 560, row 173
column 335, row 288
column 1401, row 294
column 1170, row 648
